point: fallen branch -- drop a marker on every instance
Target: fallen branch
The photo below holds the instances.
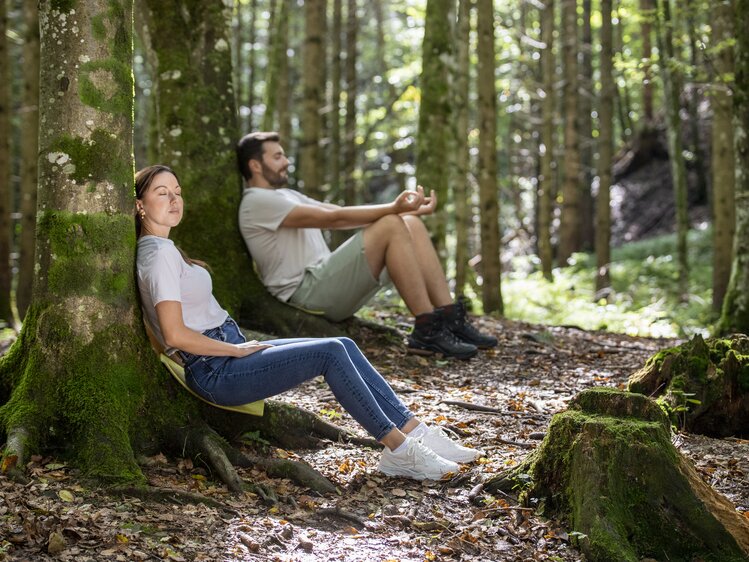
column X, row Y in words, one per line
column 338, row 512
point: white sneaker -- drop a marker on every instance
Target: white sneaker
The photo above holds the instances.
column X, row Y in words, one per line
column 437, row 440
column 416, row 461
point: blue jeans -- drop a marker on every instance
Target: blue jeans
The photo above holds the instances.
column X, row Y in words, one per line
column 357, row 385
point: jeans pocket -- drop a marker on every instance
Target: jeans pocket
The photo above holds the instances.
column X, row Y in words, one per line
column 199, row 375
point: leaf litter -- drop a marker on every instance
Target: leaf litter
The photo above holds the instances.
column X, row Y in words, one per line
column 501, row 402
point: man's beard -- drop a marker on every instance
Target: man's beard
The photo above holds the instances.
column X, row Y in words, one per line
column 275, row 179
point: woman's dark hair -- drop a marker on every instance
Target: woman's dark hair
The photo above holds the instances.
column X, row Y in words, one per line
column 143, row 180
column 250, row 147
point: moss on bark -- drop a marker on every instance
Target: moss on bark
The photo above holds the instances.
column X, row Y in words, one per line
column 608, row 468
column 702, row 384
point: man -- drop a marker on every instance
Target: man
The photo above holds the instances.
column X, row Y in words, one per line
column 282, row 230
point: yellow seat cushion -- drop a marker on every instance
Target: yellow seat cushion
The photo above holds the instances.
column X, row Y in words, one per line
column 178, row 372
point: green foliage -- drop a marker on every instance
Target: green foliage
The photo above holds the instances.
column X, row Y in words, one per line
column 644, row 300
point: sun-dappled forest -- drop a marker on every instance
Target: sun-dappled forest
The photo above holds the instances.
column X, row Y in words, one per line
column 590, row 164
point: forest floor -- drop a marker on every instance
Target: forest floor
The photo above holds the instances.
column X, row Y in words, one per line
column 528, row 378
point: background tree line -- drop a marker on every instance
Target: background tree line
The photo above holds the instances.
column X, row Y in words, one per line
column 516, row 113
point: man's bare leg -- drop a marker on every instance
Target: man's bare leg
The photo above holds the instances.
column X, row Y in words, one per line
column 388, row 243
column 429, row 262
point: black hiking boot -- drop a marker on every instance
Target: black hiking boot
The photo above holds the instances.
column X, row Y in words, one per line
column 430, row 335
column 458, row 322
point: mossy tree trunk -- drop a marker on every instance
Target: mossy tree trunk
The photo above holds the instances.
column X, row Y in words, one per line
column 77, row 372
column 608, row 468
column 188, row 46
column 735, row 315
column 433, row 142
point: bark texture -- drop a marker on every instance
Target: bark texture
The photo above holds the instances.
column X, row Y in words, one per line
column 491, row 270
column 605, row 150
column 723, row 161
column 569, row 221
column 546, row 183
column 311, row 165
column 6, row 314
column 29, row 157
column 735, row 315
column 608, row 468
column 433, row 142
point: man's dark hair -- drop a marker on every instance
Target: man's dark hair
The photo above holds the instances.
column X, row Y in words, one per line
column 250, row 147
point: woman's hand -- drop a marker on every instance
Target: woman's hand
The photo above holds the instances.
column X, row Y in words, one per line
column 250, row 347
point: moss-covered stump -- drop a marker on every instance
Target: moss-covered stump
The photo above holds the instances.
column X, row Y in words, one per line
column 608, row 469
column 704, row 384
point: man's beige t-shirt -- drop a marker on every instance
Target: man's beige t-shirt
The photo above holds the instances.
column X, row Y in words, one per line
column 281, row 254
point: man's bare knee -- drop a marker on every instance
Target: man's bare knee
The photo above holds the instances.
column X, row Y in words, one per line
column 387, row 226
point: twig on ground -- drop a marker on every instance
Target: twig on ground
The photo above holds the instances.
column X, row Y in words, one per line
column 338, row 512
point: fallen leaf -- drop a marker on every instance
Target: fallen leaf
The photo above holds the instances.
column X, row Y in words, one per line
column 66, row 495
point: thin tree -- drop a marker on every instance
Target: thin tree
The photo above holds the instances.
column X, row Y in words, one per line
column 693, row 103
column 546, row 190
column 491, row 291
column 311, row 169
column 647, row 13
column 587, row 142
column 6, row 312
column 29, row 157
column 735, row 315
column 672, row 85
column 334, row 155
column 605, row 150
column 283, row 93
column 252, row 35
column 272, row 70
column 461, row 189
column 723, row 160
column 352, row 91
column 435, row 126
column 569, row 225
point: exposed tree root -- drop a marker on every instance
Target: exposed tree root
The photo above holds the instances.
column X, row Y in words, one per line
column 299, row 472
column 165, row 495
column 16, row 453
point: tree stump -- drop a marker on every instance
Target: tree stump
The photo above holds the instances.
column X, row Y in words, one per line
column 607, row 467
column 703, row 384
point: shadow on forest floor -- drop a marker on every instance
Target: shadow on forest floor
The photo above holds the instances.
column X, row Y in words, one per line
column 531, row 376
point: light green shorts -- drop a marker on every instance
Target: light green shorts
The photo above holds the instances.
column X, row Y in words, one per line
column 341, row 284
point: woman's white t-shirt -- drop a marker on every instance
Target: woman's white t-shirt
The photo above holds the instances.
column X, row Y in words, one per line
column 163, row 275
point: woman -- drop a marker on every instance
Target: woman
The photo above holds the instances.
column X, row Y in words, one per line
column 224, row 368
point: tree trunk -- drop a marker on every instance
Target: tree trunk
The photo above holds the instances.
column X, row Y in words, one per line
column 197, row 136
column 491, row 269
column 29, row 158
column 587, row 142
column 461, row 189
column 646, row 20
column 283, row 93
column 272, row 70
column 693, row 103
column 311, row 167
column 605, row 150
column 82, row 341
column 546, row 190
column 735, row 315
column 672, row 85
column 433, row 140
column 569, row 225
column 723, row 161
column 607, row 467
column 251, row 66
column 334, row 156
column 237, row 41
column 6, row 313
column 352, row 91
